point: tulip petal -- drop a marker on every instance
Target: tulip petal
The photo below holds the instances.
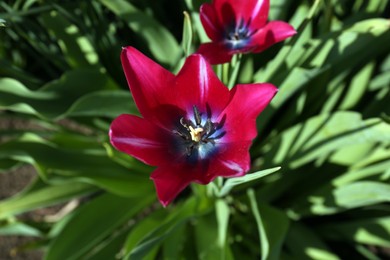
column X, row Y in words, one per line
column 250, row 10
column 176, row 109
column 215, row 53
column 235, row 160
column 197, row 85
column 240, row 124
column 232, row 160
column 169, row 181
column 272, row 33
column 259, row 13
column 148, row 81
column 140, row 138
column 210, row 22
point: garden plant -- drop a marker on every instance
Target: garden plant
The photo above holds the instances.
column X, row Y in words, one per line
column 189, row 129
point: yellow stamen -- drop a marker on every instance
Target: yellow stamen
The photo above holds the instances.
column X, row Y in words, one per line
column 196, row 133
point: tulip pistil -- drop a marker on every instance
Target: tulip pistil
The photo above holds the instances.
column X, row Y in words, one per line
column 197, row 132
column 238, row 35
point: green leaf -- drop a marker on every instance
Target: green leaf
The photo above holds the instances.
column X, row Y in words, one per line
column 157, row 236
column 174, row 245
column 14, row 87
column 93, row 222
column 54, row 98
column 117, row 181
column 374, row 164
column 357, row 88
column 3, row 23
column 330, row 200
column 109, row 247
column 14, row 96
column 87, row 166
column 380, row 81
column 207, row 236
column 291, row 54
column 304, row 243
column 222, row 212
column 159, row 40
column 271, row 236
column 371, row 231
column 232, row 182
column 362, row 193
column 6, row 165
column 264, row 243
column 236, row 63
column 187, row 35
column 19, row 229
column 351, row 154
column 144, row 226
column 76, row 47
column 320, row 61
column 46, row 196
column 324, row 134
column 104, row 104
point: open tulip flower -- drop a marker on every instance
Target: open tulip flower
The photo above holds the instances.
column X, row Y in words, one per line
column 239, row 27
column 192, row 127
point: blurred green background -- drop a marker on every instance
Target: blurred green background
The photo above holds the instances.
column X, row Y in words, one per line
column 328, row 129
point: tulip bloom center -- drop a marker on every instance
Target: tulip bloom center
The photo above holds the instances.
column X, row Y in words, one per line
column 198, row 135
column 238, row 35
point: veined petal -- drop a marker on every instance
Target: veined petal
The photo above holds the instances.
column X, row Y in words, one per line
column 194, row 129
column 247, row 10
column 210, row 22
column 232, row 160
column 259, row 13
column 235, row 161
column 215, row 53
column 148, row 81
column 272, row 33
column 140, row 138
column 251, row 99
column 226, row 12
column 197, row 85
column 169, row 181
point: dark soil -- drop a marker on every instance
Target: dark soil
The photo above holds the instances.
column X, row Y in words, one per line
column 11, row 182
column 11, row 247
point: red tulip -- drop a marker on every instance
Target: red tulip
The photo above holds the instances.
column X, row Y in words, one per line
column 239, row 27
column 192, row 127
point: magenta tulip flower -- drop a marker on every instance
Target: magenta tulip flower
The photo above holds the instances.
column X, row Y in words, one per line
column 239, row 27
column 192, row 127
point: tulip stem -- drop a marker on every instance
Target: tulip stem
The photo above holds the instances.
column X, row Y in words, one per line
column 236, row 62
column 225, row 73
column 218, row 69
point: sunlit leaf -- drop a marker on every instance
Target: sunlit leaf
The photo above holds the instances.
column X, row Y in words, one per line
column 271, row 236
column 19, row 229
column 187, row 34
column 231, row 183
column 108, row 211
column 324, row 134
column 159, row 40
column 222, row 212
column 43, row 197
column 361, row 194
column 76, row 47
